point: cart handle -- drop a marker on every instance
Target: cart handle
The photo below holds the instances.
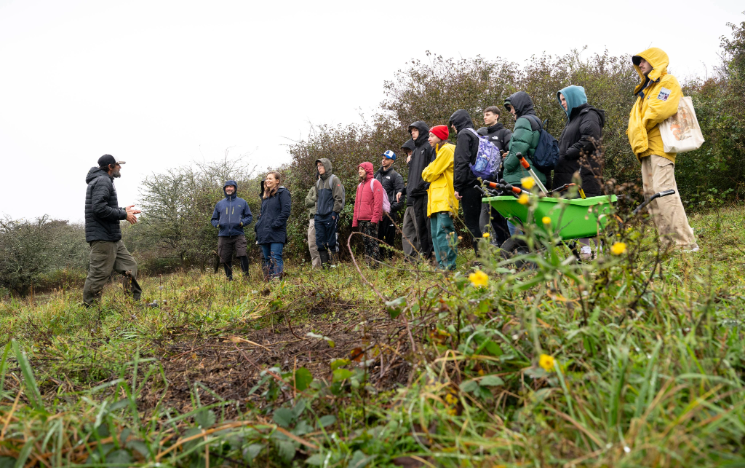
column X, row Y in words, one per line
column 653, row 197
column 515, row 190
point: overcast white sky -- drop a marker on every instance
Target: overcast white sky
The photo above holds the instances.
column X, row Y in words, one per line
column 165, row 83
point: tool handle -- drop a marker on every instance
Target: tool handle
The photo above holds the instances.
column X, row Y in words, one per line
column 523, row 162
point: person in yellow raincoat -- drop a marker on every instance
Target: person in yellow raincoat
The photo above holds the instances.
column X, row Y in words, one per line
column 658, row 94
column 442, row 204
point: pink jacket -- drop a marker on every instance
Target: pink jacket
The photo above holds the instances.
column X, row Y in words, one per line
column 368, row 206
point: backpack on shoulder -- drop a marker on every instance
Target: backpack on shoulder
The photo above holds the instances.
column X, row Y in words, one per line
column 386, row 202
column 319, row 186
column 488, row 158
column 547, row 152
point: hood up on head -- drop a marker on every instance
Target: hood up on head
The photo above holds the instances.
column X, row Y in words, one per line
column 409, row 145
column 326, row 166
column 233, row 183
column 423, row 132
column 460, row 120
column 93, row 173
column 522, row 103
column 575, row 97
column 659, row 61
column 368, row 167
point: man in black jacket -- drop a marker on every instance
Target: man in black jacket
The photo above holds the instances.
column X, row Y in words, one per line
column 393, row 184
column 416, row 188
column 102, row 232
column 500, row 137
column 466, row 149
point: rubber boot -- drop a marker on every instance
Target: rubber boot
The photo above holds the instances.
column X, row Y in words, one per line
column 324, row 259
column 228, row 271
column 244, row 266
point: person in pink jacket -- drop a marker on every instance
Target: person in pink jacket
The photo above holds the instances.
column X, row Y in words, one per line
column 368, row 211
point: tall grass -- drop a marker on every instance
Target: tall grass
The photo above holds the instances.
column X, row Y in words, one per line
column 630, row 360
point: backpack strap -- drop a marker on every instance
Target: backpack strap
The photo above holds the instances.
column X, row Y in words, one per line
column 537, row 120
column 475, row 133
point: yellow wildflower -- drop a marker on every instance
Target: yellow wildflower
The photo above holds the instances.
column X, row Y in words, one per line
column 527, row 182
column 618, row 248
column 451, row 399
column 546, row 220
column 523, row 199
column 478, row 278
column 547, row 362
column 486, row 235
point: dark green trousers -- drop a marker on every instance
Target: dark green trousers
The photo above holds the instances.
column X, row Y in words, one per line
column 107, row 257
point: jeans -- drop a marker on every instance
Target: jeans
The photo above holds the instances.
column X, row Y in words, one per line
column 326, row 231
column 444, row 240
column 272, row 259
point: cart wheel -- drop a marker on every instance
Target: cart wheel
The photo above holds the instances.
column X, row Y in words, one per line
column 512, row 248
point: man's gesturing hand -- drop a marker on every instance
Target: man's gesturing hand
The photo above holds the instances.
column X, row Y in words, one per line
column 131, row 212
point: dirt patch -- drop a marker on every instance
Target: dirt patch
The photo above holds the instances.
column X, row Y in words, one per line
column 229, row 365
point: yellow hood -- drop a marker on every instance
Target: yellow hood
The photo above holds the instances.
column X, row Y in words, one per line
column 659, row 61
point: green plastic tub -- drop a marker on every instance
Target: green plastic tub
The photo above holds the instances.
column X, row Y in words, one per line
column 572, row 219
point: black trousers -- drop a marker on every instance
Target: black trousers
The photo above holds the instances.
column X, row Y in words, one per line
column 387, row 233
column 471, row 203
column 422, row 226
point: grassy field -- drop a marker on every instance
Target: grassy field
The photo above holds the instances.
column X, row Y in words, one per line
column 635, row 359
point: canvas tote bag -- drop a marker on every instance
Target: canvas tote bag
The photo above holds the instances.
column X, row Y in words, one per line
column 681, row 132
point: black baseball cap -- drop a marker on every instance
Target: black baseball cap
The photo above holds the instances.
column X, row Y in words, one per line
column 107, row 159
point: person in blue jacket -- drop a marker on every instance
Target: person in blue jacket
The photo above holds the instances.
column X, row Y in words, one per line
column 271, row 228
column 231, row 215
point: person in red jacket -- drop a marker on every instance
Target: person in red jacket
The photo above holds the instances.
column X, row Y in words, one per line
column 368, row 211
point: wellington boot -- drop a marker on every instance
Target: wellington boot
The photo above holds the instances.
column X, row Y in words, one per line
column 325, row 262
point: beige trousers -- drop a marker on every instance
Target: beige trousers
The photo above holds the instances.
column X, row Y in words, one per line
column 315, row 257
column 668, row 214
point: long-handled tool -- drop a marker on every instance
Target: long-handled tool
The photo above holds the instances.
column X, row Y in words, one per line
column 526, row 165
column 653, row 197
column 567, row 186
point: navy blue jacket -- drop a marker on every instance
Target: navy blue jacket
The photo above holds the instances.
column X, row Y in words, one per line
column 102, row 210
column 272, row 224
column 231, row 214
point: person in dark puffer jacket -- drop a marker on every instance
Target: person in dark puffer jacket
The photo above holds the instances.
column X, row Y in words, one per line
column 368, row 211
column 578, row 148
column 524, row 140
column 102, row 232
column 271, row 229
column 393, row 184
column 416, row 188
column 230, row 216
column 579, row 142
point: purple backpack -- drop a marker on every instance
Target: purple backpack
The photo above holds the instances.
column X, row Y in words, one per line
column 488, row 159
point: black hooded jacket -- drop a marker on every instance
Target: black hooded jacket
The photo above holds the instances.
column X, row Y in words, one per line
column 577, row 149
column 410, row 146
column 466, row 149
column 102, row 210
column 421, row 157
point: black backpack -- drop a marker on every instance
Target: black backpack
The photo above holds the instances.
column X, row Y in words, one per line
column 547, row 152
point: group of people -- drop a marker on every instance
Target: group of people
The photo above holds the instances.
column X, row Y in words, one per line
column 440, row 182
